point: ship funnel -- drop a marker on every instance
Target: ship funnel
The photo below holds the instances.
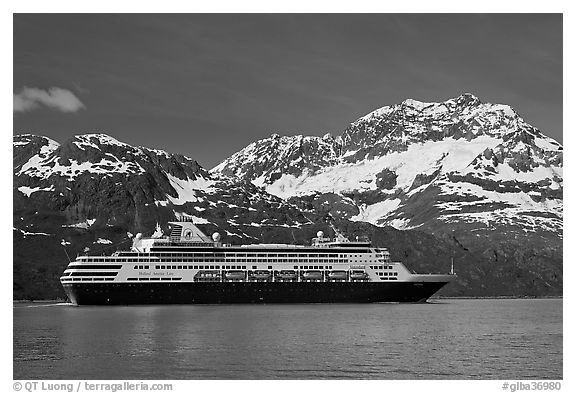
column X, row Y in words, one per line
column 185, row 231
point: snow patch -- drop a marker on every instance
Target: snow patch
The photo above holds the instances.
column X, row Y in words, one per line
column 103, row 241
column 24, row 233
column 422, row 158
column 377, row 211
column 186, row 188
column 28, row 190
column 82, row 225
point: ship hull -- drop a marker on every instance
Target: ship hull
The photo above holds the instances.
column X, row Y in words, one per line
column 249, row 292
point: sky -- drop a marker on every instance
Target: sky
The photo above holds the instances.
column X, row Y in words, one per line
column 206, row 85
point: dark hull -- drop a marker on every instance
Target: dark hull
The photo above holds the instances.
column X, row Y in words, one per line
column 249, row 292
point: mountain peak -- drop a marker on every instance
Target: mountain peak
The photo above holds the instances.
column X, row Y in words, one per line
column 418, row 105
column 95, row 140
column 24, row 139
column 467, row 99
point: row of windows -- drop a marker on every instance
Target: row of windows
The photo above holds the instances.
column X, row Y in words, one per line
column 388, row 278
column 87, row 279
column 224, row 267
column 386, row 273
column 108, row 274
column 380, row 267
column 154, row 279
column 96, row 267
column 221, row 260
column 261, row 260
column 248, row 255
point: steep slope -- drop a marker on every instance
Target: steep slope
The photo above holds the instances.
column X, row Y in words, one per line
column 373, row 171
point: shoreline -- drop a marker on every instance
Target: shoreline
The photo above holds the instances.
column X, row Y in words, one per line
column 497, row 297
column 431, row 298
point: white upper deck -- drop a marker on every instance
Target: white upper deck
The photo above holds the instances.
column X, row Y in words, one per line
column 185, row 233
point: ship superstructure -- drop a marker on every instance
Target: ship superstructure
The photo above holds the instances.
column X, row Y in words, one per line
column 189, row 267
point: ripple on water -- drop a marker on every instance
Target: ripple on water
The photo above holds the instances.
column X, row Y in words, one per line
column 454, row 339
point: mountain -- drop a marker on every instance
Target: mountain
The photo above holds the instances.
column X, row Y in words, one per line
column 459, row 180
column 92, row 192
column 463, row 169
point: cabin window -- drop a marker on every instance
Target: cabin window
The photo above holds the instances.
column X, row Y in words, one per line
column 269, row 267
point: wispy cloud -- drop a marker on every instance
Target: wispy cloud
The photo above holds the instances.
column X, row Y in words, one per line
column 30, row 98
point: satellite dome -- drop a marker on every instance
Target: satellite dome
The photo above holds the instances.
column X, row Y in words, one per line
column 320, row 234
column 138, row 236
column 216, row 236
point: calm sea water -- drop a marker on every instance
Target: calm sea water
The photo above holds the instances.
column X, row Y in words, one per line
column 448, row 339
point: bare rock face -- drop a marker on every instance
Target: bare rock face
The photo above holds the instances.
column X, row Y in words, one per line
column 386, row 179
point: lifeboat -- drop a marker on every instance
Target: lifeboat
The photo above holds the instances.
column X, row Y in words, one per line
column 235, row 275
column 287, row 275
column 312, row 275
column 260, row 275
column 338, row 275
column 358, row 275
column 207, row 275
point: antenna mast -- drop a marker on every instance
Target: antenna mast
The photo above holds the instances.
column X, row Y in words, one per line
column 67, row 256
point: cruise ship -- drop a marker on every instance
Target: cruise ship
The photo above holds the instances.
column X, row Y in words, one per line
column 188, row 267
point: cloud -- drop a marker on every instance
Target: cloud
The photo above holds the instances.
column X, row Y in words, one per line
column 30, row 98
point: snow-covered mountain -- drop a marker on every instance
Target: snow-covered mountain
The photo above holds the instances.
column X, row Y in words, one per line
column 418, row 164
column 93, row 174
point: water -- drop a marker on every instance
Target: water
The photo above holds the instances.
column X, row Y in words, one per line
column 448, row 339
